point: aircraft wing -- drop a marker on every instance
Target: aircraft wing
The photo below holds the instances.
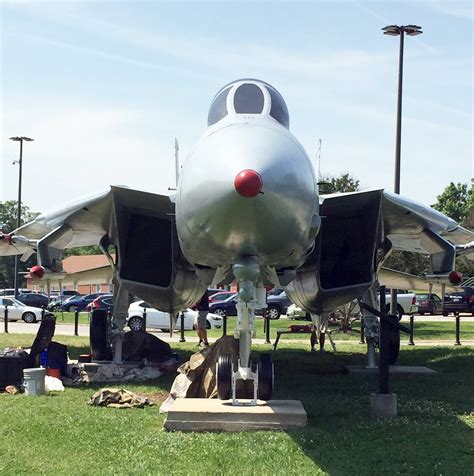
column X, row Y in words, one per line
column 149, row 262
column 406, row 224
column 411, row 226
column 82, row 222
column 399, row 280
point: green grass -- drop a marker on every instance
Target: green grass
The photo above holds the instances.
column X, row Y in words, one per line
column 433, row 434
column 422, row 330
column 68, row 317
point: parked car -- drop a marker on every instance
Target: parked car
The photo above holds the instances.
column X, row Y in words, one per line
column 65, row 292
column 429, row 304
column 212, row 291
column 79, row 303
column 17, row 310
column 11, row 291
column 460, row 301
column 56, row 302
column 106, row 302
column 295, row 312
column 161, row 320
column 224, row 308
column 406, row 302
column 277, row 303
column 34, row 299
column 220, row 296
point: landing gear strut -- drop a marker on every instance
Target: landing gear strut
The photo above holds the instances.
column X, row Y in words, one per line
column 251, row 297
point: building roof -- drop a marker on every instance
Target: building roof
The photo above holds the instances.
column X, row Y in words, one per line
column 77, row 264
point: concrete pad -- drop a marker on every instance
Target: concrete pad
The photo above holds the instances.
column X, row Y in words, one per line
column 383, row 405
column 203, row 414
column 393, row 370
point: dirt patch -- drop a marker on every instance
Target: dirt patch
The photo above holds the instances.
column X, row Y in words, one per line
column 155, row 397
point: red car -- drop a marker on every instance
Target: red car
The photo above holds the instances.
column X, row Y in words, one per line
column 220, row 296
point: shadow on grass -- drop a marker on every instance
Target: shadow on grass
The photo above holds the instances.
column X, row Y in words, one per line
column 430, row 436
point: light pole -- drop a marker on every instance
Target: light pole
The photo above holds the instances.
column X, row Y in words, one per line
column 395, row 30
column 18, row 216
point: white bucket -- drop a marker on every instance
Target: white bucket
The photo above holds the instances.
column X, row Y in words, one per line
column 34, row 381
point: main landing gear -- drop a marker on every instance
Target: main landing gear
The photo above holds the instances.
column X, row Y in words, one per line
column 251, row 297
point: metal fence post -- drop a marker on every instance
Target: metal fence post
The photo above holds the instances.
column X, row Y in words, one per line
column 144, row 319
column 42, row 313
column 6, row 320
column 76, row 323
column 267, row 328
column 362, row 335
column 412, row 323
column 224, row 325
column 384, row 347
column 182, row 339
column 458, row 329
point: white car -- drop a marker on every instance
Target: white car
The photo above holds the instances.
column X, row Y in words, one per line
column 295, row 312
column 17, row 310
column 161, row 320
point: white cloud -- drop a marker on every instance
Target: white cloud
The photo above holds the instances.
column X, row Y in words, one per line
column 80, row 150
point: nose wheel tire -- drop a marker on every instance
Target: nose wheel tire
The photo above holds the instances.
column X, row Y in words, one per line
column 265, row 377
column 224, row 377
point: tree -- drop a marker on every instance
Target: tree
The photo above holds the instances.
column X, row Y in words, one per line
column 8, row 219
column 82, row 250
column 455, row 201
column 343, row 183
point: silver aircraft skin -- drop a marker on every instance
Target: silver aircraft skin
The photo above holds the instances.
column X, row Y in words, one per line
column 246, row 209
column 216, row 225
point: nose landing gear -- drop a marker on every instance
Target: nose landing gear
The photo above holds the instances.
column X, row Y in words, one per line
column 246, row 271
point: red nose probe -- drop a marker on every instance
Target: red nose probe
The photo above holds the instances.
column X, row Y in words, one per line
column 248, row 183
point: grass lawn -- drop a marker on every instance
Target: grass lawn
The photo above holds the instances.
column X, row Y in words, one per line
column 433, row 434
column 68, row 317
column 422, row 330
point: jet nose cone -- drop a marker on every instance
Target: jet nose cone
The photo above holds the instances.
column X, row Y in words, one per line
column 248, row 183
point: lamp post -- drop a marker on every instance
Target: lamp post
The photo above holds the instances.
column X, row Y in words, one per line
column 18, row 217
column 395, row 30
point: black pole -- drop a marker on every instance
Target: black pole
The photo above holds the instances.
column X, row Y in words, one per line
column 267, row 328
column 18, row 219
column 182, row 339
column 384, row 347
column 6, row 320
column 412, row 323
column 42, row 313
column 398, row 140
column 362, row 335
column 458, row 329
column 144, row 319
column 76, row 323
column 224, row 325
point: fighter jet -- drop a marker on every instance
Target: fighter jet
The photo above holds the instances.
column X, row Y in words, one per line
column 246, row 208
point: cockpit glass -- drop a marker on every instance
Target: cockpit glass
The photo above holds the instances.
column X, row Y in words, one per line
column 279, row 111
column 218, row 108
column 248, row 99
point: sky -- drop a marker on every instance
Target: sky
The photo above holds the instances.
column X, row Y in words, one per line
column 105, row 87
